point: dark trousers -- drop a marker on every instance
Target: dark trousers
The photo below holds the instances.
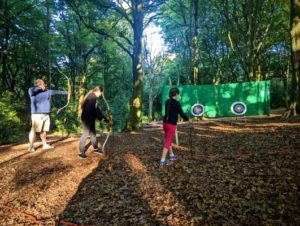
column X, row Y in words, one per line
column 88, row 130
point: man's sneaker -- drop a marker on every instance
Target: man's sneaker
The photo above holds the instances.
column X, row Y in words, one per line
column 98, row 151
column 31, row 149
column 165, row 163
column 175, row 157
column 82, row 156
column 47, row 147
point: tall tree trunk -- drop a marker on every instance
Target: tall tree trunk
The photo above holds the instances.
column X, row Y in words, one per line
column 48, row 41
column 150, row 101
column 3, row 52
column 135, row 108
column 286, row 87
column 216, row 90
column 196, row 41
column 251, row 69
column 82, row 91
column 5, row 58
column 259, row 74
column 295, row 59
column 251, row 46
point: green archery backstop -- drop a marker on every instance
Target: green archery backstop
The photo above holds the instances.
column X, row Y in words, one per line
column 217, row 99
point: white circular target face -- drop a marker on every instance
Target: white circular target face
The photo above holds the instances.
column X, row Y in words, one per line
column 197, row 110
column 238, row 108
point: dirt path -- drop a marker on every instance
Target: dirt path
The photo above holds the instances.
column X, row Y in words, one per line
column 237, row 173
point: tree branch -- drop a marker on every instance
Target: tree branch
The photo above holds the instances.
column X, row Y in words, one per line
column 152, row 18
column 115, row 7
column 86, row 55
column 98, row 31
column 121, row 34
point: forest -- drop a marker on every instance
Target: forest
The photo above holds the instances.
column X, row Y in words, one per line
column 231, row 169
column 111, row 43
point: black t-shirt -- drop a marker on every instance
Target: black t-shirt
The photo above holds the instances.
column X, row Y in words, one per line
column 91, row 110
column 172, row 109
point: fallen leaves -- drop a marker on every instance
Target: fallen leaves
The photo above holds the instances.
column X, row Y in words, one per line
column 237, row 173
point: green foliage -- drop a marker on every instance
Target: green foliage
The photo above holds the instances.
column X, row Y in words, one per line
column 117, row 82
column 66, row 121
column 277, row 94
column 13, row 127
column 98, row 46
column 236, row 39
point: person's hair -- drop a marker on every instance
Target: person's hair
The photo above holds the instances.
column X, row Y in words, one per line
column 173, row 92
column 96, row 89
column 38, row 82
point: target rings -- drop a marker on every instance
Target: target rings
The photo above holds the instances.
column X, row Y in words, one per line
column 197, row 110
column 238, row 108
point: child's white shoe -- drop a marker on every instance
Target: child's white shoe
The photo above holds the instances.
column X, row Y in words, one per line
column 31, row 149
column 47, row 147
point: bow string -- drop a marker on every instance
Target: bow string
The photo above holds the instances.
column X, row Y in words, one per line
column 69, row 92
column 109, row 126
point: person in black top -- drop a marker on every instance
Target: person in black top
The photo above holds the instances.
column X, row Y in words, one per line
column 172, row 109
column 91, row 112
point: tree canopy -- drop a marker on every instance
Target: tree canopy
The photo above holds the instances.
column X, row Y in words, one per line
column 104, row 43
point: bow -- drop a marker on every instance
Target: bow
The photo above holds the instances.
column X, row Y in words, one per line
column 191, row 132
column 109, row 127
column 69, row 92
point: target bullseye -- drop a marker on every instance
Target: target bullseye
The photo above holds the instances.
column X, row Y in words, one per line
column 197, row 110
column 238, row 108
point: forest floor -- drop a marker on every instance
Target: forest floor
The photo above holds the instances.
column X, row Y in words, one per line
column 232, row 172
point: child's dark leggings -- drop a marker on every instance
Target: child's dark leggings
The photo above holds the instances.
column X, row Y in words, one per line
column 88, row 130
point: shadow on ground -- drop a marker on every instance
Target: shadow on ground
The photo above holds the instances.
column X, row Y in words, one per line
column 246, row 177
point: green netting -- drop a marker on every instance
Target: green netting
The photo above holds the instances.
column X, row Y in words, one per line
column 218, row 99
